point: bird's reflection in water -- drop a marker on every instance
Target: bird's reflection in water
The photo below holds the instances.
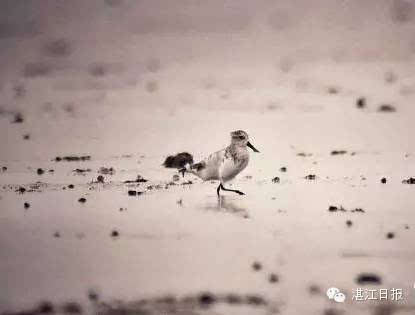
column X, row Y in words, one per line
column 227, row 204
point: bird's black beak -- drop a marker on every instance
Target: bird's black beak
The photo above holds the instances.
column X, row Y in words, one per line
column 252, row 147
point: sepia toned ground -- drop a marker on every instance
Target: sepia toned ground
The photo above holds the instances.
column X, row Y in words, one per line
column 174, row 247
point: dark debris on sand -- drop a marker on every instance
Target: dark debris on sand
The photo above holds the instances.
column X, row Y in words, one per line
column 82, row 200
column 115, row 234
column 139, row 179
column 276, row 180
column 134, row 193
column 179, row 160
column 386, row 108
column 81, row 171
column 256, row 266
column 26, row 205
column 390, row 235
column 338, row 152
column 335, row 209
column 410, row 180
column 310, row 177
column 349, row 223
column 368, row 278
column 18, row 118
column 361, row 102
column 100, row 179
column 73, row 158
column 106, row 170
column 40, row 171
column 283, row 169
column 273, row 278
column 383, row 180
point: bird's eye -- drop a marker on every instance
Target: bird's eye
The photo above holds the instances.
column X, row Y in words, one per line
column 241, row 137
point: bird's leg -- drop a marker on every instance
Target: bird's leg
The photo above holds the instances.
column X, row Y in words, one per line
column 182, row 171
column 225, row 189
column 218, row 189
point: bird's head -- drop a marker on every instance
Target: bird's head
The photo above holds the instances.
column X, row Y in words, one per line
column 240, row 138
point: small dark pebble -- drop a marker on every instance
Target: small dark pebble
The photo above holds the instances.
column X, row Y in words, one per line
column 139, row 179
column 93, row 295
column 273, row 278
column 18, row 118
column 100, row 179
column 332, row 90
column 70, row 186
column 4, row 168
column 338, row 152
column 56, row 234
column 410, row 180
column 132, row 193
column 73, row 158
column 26, row 136
column 46, row 307
column 333, row 208
column 82, row 200
column 255, row 300
column 106, row 170
column 368, row 278
column 72, row 308
column 406, row 227
column 310, row 177
column 276, row 179
column 26, row 205
column 314, row 289
column 21, row 190
column 207, row 299
column 115, row 233
column 358, row 210
column 283, row 169
column 51, row 171
column 349, row 223
column 257, row 266
column 361, row 102
column 233, row 299
column 386, row 108
column 383, row 180
column 390, row 235
column 40, row 171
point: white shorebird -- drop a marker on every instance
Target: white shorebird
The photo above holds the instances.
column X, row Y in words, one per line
column 225, row 164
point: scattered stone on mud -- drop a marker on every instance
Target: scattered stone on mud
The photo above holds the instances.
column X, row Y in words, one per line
column 310, row 177
column 40, row 171
column 256, row 265
column 18, row 118
column 361, row 102
column 333, row 90
column 21, row 190
column 70, row 186
column 383, row 180
column 233, row 299
column 176, row 178
column 335, row 209
column 93, row 295
column 276, row 179
column 338, row 152
column 139, row 179
column 410, row 180
column 179, row 160
column 26, row 205
column 100, row 179
column 273, row 278
column 134, row 193
column 4, row 168
column 81, row 171
column 206, row 299
column 349, row 223
column 386, row 108
column 283, row 169
column 73, row 158
column 106, row 170
column 314, row 289
column 26, row 136
column 390, row 77
column 390, row 235
column 255, row 300
column 368, row 278
column 56, row 235
column 82, row 200
column 406, row 227
column 72, row 308
column 115, row 233
column 303, row 154
column 358, row 210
